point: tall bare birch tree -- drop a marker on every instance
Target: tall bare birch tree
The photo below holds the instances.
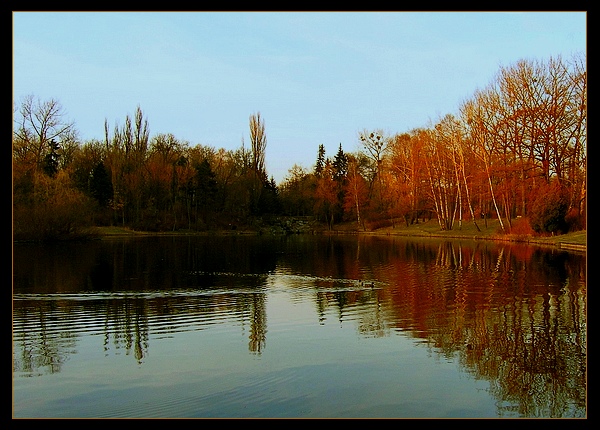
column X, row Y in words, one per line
column 441, row 177
column 450, row 132
column 479, row 119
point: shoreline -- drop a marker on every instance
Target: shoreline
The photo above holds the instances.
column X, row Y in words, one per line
column 576, row 242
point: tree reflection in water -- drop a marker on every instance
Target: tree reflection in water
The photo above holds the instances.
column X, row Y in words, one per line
column 514, row 315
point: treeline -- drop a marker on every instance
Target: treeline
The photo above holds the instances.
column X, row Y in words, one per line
column 516, row 151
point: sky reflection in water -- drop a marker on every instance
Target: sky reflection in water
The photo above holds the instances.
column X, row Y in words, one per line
column 300, row 326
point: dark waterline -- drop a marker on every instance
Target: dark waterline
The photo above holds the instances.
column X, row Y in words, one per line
column 298, row 326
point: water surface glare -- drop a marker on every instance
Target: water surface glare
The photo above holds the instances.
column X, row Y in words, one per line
column 298, row 326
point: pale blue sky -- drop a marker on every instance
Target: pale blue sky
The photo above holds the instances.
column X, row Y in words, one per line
column 315, row 77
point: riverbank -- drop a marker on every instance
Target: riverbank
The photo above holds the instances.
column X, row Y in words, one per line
column 490, row 230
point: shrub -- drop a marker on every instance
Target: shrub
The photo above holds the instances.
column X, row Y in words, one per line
column 521, row 228
column 549, row 209
column 574, row 220
column 56, row 211
column 378, row 223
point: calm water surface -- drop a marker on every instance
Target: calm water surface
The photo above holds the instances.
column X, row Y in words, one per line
column 298, row 326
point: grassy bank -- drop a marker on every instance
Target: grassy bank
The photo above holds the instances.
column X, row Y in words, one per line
column 126, row 231
column 490, row 231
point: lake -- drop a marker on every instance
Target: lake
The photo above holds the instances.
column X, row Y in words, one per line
column 299, row 326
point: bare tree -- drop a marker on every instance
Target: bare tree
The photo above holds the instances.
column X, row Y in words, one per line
column 441, row 177
column 407, row 158
column 36, row 124
column 479, row 115
column 578, row 109
column 127, row 152
column 376, row 144
column 258, row 141
column 356, row 189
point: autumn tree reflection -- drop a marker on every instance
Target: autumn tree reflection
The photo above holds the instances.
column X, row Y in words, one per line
column 510, row 314
column 46, row 349
column 258, row 326
column 494, row 311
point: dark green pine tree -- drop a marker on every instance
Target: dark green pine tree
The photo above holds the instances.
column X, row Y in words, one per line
column 340, row 172
column 320, row 161
column 50, row 162
column 269, row 202
column 340, row 165
column 206, row 186
column 100, row 185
